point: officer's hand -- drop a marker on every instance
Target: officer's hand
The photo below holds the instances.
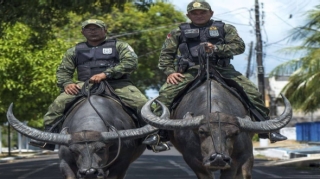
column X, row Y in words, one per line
column 209, row 47
column 97, row 78
column 175, row 78
column 72, row 89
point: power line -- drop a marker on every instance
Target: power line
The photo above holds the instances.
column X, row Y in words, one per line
column 250, row 16
column 283, row 20
column 235, row 22
column 145, row 30
column 279, row 40
column 228, row 12
column 280, row 59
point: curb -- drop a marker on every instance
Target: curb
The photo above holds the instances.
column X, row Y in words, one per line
column 13, row 158
column 302, row 161
column 36, row 154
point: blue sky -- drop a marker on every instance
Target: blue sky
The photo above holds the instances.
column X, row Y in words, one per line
column 280, row 16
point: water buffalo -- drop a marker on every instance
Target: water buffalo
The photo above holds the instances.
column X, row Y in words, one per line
column 90, row 138
column 215, row 139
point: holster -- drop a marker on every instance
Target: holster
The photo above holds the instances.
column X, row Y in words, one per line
column 183, row 65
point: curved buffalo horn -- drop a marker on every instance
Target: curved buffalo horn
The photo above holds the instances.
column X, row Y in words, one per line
column 164, row 122
column 269, row 125
column 134, row 133
column 129, row 133
column 53, row 138
column 64, row 139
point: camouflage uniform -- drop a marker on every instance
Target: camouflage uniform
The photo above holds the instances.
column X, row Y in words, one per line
column 233, row 45
column 179, row 54
column 128, row 93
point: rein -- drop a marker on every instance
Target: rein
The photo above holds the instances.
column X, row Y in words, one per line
column 86, row 91
column 208, row 80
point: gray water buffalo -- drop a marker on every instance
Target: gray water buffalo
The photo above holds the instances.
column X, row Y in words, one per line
column 98, row 142
column 214, row 134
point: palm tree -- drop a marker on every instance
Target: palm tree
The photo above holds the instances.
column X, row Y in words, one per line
column 303, row 88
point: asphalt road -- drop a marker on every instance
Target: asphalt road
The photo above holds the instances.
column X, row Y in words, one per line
column 148, row 166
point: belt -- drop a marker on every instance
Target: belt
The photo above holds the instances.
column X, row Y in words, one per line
column 222, row 62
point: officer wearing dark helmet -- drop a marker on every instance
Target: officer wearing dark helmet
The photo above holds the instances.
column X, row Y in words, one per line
column 179, row 61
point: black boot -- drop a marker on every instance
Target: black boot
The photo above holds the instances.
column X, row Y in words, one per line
column 162, row 146
column 44, row 145
column 152, row 139
column 156, row 142
column 273, row 136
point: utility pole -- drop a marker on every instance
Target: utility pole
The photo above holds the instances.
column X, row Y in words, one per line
column 259, row 52
column 249, row 60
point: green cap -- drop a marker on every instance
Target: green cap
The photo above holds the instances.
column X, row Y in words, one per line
column 93, row 21
column 198, row 4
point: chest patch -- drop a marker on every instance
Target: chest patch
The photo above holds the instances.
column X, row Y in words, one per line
column 213, row 31
column 191, row 31
column 107, row 50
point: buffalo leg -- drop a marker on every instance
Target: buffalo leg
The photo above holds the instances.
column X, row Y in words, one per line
column 66, row 171
column 198, row 168
column 247, row 168
column 231, row 173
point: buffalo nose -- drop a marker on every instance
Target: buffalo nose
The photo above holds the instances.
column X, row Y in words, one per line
column 87, row 172
column 213, row 156
column 220, row 157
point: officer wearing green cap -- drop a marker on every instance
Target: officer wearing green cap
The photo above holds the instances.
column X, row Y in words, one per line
column 179, row 61
column 96, row 22
column 98, row 58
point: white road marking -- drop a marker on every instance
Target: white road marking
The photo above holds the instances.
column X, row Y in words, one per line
column 189, row 172
column 269, row 174
column 35, row 171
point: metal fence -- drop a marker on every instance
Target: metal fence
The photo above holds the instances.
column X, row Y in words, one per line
column 308, row 131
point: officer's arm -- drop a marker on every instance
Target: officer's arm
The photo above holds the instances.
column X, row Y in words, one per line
column 128, row 61
column 66, row 69
column 168, row 53
column 234, row 45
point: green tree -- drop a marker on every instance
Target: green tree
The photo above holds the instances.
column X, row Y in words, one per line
column 44, row 15
column 303, row 87
column 27, row 72
column 145, row 31
column 146, row 34
column 27, row 68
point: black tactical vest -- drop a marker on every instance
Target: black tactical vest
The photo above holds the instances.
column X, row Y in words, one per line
column 94, row 60
column 191, row 37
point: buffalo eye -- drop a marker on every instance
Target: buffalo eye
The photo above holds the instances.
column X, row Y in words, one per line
column 73, row 151
column 202, row 133
column 232, row 135
column 101, row 150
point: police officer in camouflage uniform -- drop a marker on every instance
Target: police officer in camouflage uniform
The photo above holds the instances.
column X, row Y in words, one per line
column 97, row 59
column 179, row 60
